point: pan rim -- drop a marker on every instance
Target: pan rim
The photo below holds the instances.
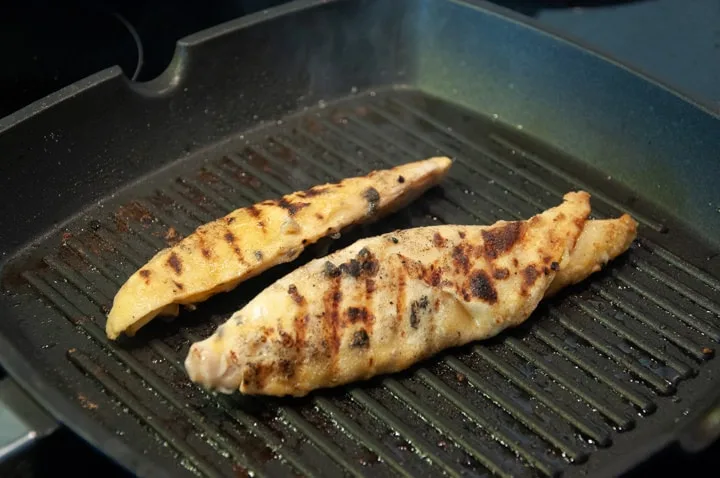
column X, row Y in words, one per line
column 64, row 409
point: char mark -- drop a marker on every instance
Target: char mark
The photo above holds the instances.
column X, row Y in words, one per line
column 417, row 308
column 481, row 287
column 372, row 196
column 501, row 239
column 360, row 339
column 175, row 263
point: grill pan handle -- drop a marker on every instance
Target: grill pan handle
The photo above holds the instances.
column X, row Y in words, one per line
column 22, row 420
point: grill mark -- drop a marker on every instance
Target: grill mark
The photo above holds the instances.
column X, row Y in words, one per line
column 175, row 263
column 296, row 297
column 357, row 314
column 257, row 374
column 291, row 207
column 530, row 275
column 417, row 308
column 232, row 240
column 501, row 273
column 253, row 210
column 300, row 329
column 313, row 191
column 372, row 196
column 400, row 297
column 461, row 234
column 438, row 240
column 286, row 368
column 432, row 275
column 145, row 274
column 179, row 285
column 204, row 250
column 460, row 258
column 331, row 322
column 501, row 239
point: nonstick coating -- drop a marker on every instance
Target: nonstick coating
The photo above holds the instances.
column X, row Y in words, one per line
column 596, row 380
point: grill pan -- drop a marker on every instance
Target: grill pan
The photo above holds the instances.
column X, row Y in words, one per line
column 99, row 176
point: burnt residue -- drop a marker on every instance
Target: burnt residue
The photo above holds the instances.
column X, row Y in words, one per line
column 229, row 237
column 372, row 196
column 417, row 308
column 499, row 240
column 258, row 255
column 360, row 339
column 368, row 262
column 351, row 268
column 296, row 297
column 365, row 264
column 401, row 179
column 555, row 266
column 132, row 212
column 481, row 287
column 331, row 270
column 172, row 237
column 394, row 240
column 175, row 263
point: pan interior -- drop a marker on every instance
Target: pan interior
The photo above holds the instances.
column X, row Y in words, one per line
column 604, row 366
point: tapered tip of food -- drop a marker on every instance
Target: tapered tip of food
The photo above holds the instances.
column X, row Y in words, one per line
column 207, row 364
column 600, row 242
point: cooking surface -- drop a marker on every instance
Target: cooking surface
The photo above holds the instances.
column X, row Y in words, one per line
column 614, row 361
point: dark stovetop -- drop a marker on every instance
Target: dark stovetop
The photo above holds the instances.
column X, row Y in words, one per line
column 56, row 51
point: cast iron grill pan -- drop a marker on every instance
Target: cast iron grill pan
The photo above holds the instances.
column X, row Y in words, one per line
column 605, row 366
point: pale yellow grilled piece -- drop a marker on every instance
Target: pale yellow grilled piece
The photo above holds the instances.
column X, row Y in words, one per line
column 387, row 302
column 221, row 254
